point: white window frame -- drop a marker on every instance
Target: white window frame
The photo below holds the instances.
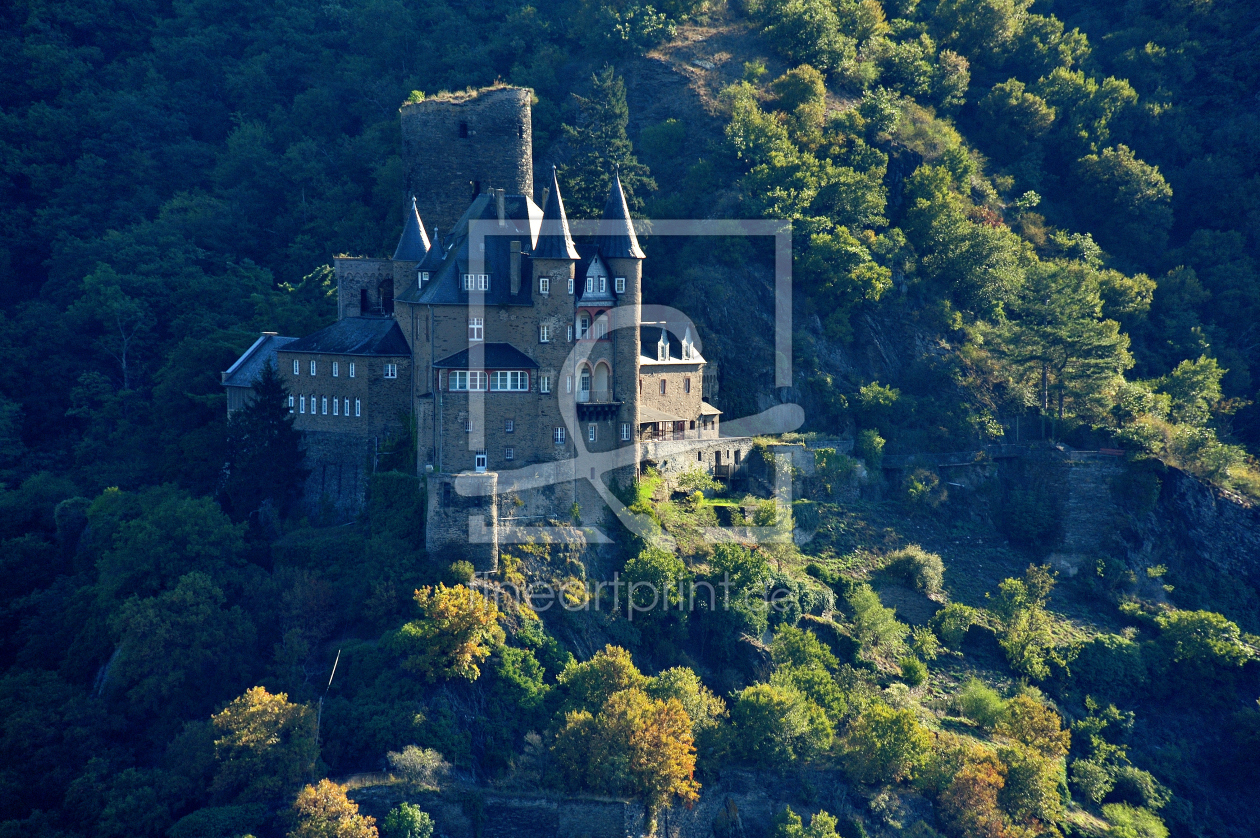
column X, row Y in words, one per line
column 591, row 432
column 584, row 326
column 544, row 384
column 302, row 405
column 323, row 404
column 468, row 282
column 516, row 381
column 544, row 285
column 352, row 369
column 557, row 435
column 336, row 369
column 391, row 370
column 483, row 282
column 476, row 329
column 297, row 367
column 544, row 334
column 345, row 407
column 570, row 286
column 509, row 426
column 569, row 334
column 356, row 408
column 468, row 426
column 336, row 406
column 509, row 454
column 619, row 284
column 603, row 285
column 568, row 384
column 312, row 367
column 625, row 431
column 291, row 403
column 590, row 285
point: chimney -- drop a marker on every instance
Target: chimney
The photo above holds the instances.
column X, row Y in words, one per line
column 515, row 269
column 501, row 204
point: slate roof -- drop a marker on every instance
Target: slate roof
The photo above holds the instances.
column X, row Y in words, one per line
column 648, row 338
column 497, row 356
column 523, row 219
column 616, row 239
column 413, row 245
column 595, row 296
column 433, row 259
column 247, row 368
column 554, row 239
column 355, row 336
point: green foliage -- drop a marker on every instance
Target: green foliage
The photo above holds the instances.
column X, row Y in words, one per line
column 951, row 623
column 913, row 671
column 870, row 447
column 795, row 647
column 1091, row 779
column 1125, row 202
column 884, row 745
column 264, row 470
column 1109, row 666
column 876, row 627
column 777, row 726
column 980, row 703
column 459, row 629
column 599, row 146
column 1202, row 637
column 419, row 768
column 407, row 820
column 264, row 747
column 808, row 31
column 1025, row 635
column 1140, row 788
column 1128, row 822
column 589, row 684
column 924, row 570
column 788, row 824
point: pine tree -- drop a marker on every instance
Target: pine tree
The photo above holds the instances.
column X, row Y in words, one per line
column 264, row 469
column 599, row 145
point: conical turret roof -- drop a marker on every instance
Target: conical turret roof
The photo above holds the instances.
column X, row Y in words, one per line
column 433, row 259
column 413, row 245
column 554, row 240
column 616, row 239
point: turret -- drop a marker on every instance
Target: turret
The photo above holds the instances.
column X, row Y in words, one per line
column 619, row 247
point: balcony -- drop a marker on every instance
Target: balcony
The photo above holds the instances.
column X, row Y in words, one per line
column 653, row 434
column 594, row 396
column 596, row 404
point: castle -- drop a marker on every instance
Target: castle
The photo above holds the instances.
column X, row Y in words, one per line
column 505, row 346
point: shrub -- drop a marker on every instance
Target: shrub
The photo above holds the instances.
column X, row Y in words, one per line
column 1109, row 666
column 980, row 703
column 876, row 627
column 922, row 490
column 924, row 643
column 870, row 447
column 1092, row 779
column 776, row 726
column 913, row 671
column 1140, row 788
column 886, row 745
column 418, row 767
column 408, row 821
column 920, row 568
column 951, row 623
column 1129, row 822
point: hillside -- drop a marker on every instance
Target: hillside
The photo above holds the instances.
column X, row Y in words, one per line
column 1014, row 591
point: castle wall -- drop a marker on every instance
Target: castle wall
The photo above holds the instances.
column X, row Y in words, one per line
column 358, row 273
column 454, row 145
column 340, row 467
column 384, row 403
column 463, row 527
column 676, row 401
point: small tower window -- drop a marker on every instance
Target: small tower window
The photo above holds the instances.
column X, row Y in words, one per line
column 312, row 367
column 590, row 432
column 336, row 369
column 323, row 404
column 619, row 283
column 290, row 404
column 687, row 386
column 558, row 436
column 346, row 410
column 302, row 404
column 544, row 334
column 662, row 386
column 336, row 407
column 625, row 431
column 544, row 285
column 356, row 407
column 476, row 328
column 603, row 284
column 544, row 384
column 509, row 454
column 463, row 130
column 352, row 369
column 570, row 285
column 509, row 425
column 297, row 367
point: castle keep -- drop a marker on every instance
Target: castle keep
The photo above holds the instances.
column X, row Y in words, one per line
column 510, row 345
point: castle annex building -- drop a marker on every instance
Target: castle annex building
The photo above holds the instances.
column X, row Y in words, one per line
column 493, row 331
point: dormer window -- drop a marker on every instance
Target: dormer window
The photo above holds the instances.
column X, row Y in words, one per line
column 468, row 282
column 422, row 277
column 662, row 348
column 687, row 345
column 590, row 285
column 603, row 284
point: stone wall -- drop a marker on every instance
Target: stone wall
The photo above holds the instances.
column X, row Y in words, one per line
column 383, row 403
column 456, row 144
column 340, row 465
column 676, row 401
column 462, row 519
column 358, row 273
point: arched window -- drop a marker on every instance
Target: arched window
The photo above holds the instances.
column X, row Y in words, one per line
column 602, row 383
column 584, row 383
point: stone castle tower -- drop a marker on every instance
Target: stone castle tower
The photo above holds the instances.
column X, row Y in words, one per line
column 457, row 146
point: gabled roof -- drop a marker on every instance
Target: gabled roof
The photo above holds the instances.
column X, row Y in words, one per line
column 248, row 368
column 616, row 239
column 522, row 221
column 649, row 337
column 413, row 245
column 495, row 356
column 595, row 296
column 554, row 240
column 355, row 336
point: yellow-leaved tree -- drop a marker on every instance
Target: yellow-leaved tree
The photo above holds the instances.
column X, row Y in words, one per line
column 458, row 629
column 324, row 811
column 264, row 746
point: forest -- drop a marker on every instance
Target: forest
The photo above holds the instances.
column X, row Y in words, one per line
column 1048, row 209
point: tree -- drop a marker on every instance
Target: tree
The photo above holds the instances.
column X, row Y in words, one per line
column 969, row 803
column 264, row 468
column 792, row 646
column 1202, row 637
column 459, row 629
column 808, row 31
column 1057, row 333
column 1195, row 390
column 1025, row 633
column 705, row 709
column 876, row 627
column 788, row 824
column 264, row 746
column 1013, row 119
column 1131, row 822
column 599, row 146
column 1031, row 792
column 1035, row 725
column 590, row 683
column 324, row 811
column 408, row 821
column 1125, row 202
column 884, row 745
column 777, row 726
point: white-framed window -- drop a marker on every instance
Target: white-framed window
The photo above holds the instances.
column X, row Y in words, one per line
column 509, row 426
column 323, row 404
column 467, row 380
column 336, row 369
column 476, row 328
column 509, row 454
column 570, row 286
column 479, row 461
column 569, row 334
column 557, row 435
column 356, row 408
column 290, row 404
column 336, row 406
column 584, row 380
column 509, row 380
column 584, row 326
column 544, row 384
column 391, row 370
column 423, row 277
column 352, row 369
column 346, row 408
column 468, row 426
column 662, row 348
column 601, row 328
column 297, row 367
column 544, row 334
column 619, row 284
column 302, row 404
column 483, row 282
column 468, row 282
column 662, row 386
column 603, row 284
column 312, row 367
column 544, row 285
column 590, row 284
column 591, row 432
column 625, row 431
column 568, row 384
column 686, row 385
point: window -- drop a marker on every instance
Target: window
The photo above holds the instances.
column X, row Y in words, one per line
column 312, row 367
column 468, row 282
column 483, row 282
column 619, row 284
column 391, row 370
column 640, row 385
column 290, row 404
column 590, row 285
column 662, row 386
column 693, row 424
column 570, row 286
column 509, row 426
column 557, row 436
column 509, row 454
column 601, row 327
column 625, row 431
column 509, row 380
column 479, row 462
column 464, row 380
column 544, row 334
column 468, row 426
column 603, row 284
column 569, row 334
column 352, row 369
column 422, row 277
column 544, row 285
column 544, row 384
column 346, row 409
column 568, row 384
column 323, row 403
column 302, row 405
column 336, row 406
column 686, row 385
column 476, row 328
column 356, row 407
column 336, row 369
column 662, row 348
column 590, row 433
column 584, row 326
column 584, row 383
column 297, row 367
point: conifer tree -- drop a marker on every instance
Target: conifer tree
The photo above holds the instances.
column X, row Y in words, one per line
column 599, row 145
column 264, row 468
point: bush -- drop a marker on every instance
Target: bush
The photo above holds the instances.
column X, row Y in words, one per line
column 920, row 568
column 870, row 447
column 1140, row 788
column 951, row 624
column 408, row 821
column 1091, row 779
column 980, row 703
column 1109, row 666
column 886, row 745
column 1129, row 822
column 418, row 767
column 913, row 671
